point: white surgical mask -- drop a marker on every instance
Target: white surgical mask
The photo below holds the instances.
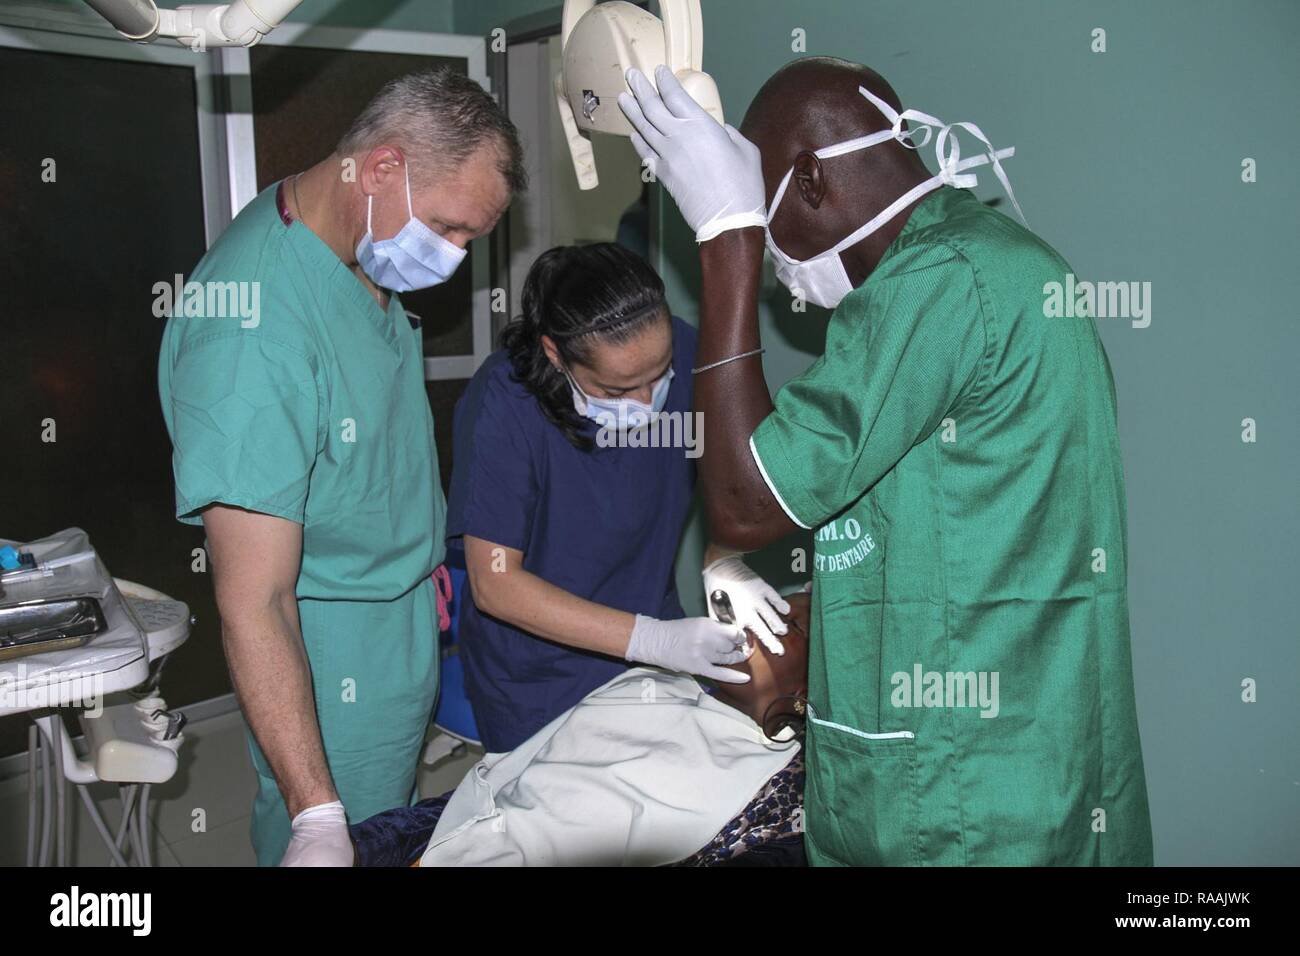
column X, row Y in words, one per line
column 621, row 413
column 415, row 258
column 822, row 279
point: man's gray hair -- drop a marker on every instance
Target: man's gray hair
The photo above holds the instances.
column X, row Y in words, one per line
column 440, row 117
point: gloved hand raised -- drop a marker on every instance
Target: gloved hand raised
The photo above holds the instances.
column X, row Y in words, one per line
column 693, row 645
column 320, row 838
column 755, row 604
column 714, row 174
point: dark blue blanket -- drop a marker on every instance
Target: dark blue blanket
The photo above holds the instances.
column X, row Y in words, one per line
column 397, row 837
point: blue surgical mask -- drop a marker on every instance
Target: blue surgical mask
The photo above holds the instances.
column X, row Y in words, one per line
column 621, row 413
column 415, row 258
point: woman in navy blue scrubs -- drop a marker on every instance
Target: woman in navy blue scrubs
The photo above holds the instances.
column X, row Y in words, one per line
column 570, row 535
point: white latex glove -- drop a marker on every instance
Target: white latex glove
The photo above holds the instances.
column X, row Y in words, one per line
column 693, row 645
column 714, row 173
column 320, row 838
column 754, row 602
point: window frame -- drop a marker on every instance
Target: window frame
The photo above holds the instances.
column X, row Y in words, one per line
column 224, row 120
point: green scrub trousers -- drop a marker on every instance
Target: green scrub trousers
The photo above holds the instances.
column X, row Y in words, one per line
column 970, row 684
column 312, row 407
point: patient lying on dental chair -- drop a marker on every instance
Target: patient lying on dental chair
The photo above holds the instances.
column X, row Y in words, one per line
column 648, row 770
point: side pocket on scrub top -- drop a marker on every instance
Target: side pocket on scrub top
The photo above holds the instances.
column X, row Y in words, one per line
column 861, row 805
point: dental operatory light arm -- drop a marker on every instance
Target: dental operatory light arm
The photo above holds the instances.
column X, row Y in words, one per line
column 198, row 26
column 600, row 42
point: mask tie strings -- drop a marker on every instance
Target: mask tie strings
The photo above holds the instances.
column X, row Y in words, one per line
column 947, row 154
column 950, row 162
column 991, row 156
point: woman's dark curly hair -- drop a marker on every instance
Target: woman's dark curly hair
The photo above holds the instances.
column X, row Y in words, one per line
column 580, row 296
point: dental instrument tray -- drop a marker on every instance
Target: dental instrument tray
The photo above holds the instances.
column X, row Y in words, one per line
column 32, row 627
column 64, row 625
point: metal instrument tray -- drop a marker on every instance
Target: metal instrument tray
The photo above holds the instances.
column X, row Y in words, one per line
column 32, row 627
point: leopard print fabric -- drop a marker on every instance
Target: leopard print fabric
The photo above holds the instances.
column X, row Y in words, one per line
column 775, row 814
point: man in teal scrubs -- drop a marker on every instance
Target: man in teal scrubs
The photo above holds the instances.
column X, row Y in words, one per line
column 303, row 442
column 970, row 690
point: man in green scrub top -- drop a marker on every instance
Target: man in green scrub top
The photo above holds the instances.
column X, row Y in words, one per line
column 970, row 687
column 303, row 442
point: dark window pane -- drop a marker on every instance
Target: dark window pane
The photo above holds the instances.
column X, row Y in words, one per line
column 442, row 398
column 78, row 338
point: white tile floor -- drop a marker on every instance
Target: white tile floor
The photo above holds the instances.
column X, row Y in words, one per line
column 215, row 777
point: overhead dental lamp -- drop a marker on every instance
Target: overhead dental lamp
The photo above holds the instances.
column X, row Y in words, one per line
column 198, row 26
column 601, row 42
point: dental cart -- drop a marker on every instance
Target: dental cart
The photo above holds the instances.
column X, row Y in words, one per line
column 74, row 640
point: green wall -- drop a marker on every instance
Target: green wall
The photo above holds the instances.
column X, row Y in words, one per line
column 481, row 16
column 437, row 16
column 1129, row 162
